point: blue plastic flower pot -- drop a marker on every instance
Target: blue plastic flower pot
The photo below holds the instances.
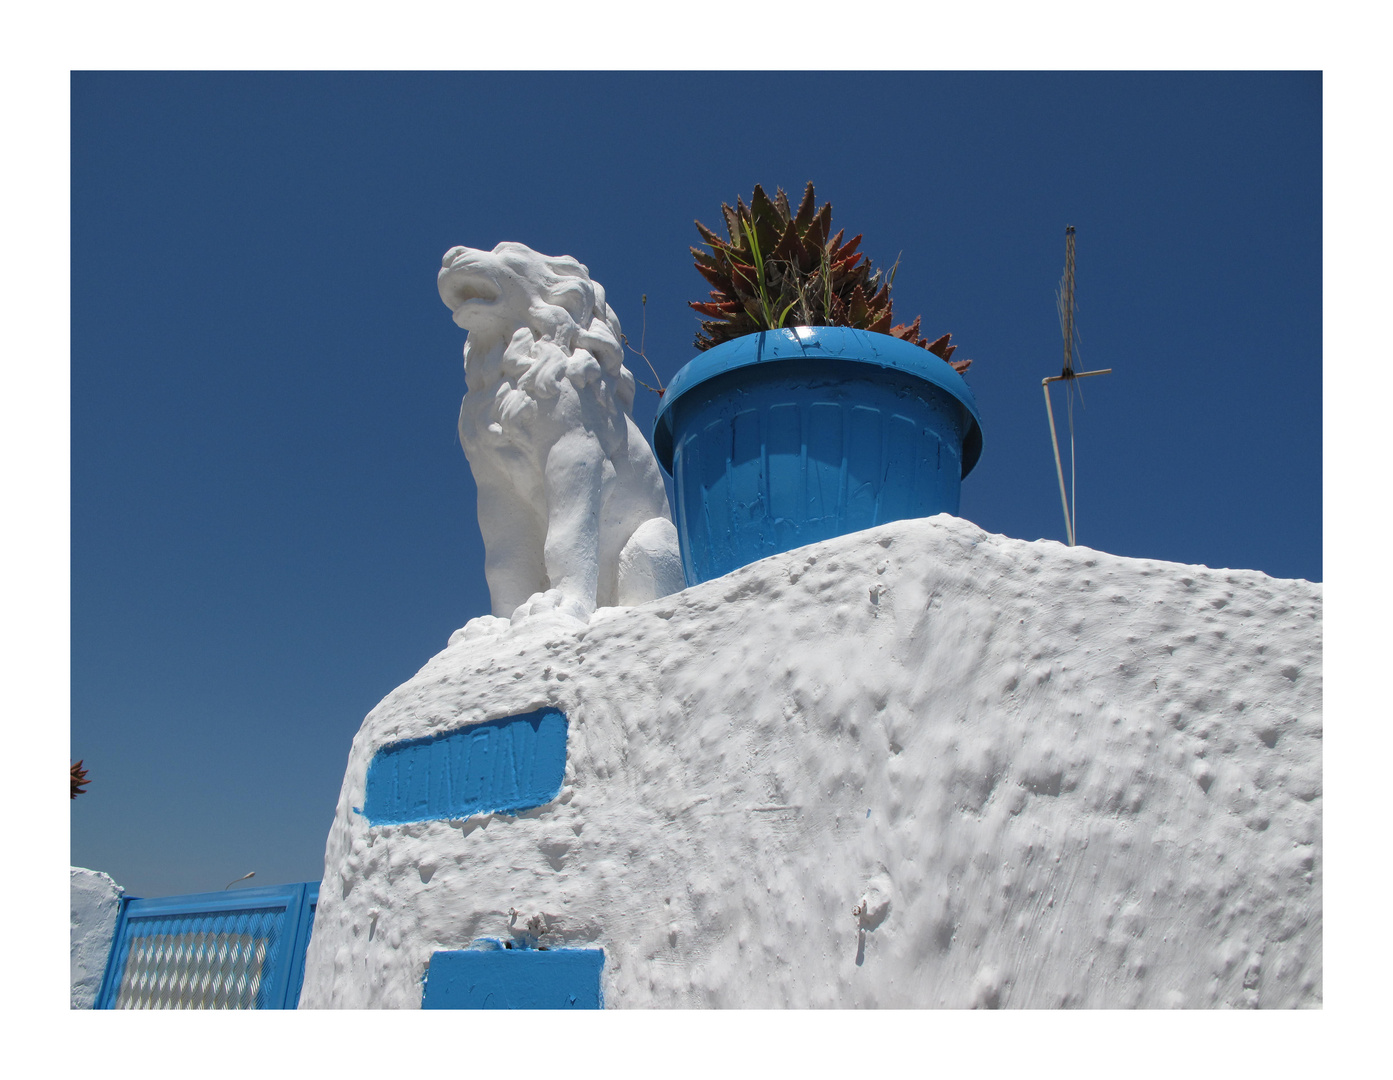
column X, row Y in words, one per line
column 788, row 437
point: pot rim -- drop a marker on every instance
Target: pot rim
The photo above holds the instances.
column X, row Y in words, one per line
column 818, row 343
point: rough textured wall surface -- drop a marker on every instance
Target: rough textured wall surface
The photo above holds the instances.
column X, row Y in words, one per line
column 920, row 765
column 96, row 901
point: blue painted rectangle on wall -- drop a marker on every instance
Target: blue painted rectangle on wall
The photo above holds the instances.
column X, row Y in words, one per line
column 514, row 979
column 496, row 767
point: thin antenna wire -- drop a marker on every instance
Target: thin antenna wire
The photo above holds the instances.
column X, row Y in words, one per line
column 643, row 337
column 1073, row 479
column 1058, row 468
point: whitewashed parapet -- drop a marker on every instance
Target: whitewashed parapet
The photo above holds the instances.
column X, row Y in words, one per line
column 96, row 901
column 920, row 765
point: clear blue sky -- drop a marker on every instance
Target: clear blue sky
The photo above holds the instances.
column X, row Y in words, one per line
column 273, row 523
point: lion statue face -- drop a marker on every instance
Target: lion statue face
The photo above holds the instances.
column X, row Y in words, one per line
column 487, row 289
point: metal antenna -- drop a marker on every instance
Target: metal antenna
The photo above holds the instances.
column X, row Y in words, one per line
column 1064, row 300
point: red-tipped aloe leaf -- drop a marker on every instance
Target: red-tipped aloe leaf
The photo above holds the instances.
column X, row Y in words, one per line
column 706, row 259
column 744, row 280
column 716, row 309
column 791, row 250
column 857, row 311
column 907, row 331
column 733, row 222
column 767, row 224
column 847, row 248
column 806, row 210
column 709, row 236
column 821, row 227
column 721, row 280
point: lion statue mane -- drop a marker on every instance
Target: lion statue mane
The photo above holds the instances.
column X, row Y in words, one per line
column 572, row 506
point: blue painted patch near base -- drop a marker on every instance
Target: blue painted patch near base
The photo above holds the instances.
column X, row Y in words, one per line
column 514, row 979
column 500, row 766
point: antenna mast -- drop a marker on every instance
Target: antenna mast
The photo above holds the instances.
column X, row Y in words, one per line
column 1065, row 301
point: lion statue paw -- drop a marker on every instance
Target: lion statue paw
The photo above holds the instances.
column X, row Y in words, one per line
column 572, row 506
column 483, row 626
column 552, row 606
column 650, row 565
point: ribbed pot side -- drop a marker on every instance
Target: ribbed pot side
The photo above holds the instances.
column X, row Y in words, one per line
column 789, row 437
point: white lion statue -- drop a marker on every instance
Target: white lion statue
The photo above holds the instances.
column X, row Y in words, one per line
column 571, row 503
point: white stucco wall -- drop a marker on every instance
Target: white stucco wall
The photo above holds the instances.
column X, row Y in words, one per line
column 1045, row 777
column 96, row 901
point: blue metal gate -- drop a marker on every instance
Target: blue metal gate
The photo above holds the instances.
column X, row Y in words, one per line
column 222, row 950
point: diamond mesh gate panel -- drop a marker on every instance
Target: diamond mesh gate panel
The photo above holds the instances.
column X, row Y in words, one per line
column 201, row 961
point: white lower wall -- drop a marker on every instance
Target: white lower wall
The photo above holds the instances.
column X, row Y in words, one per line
column 96, row 901
column 1045, row 777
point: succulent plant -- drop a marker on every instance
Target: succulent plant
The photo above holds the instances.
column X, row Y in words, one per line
column 779, row 268
column 79, row 780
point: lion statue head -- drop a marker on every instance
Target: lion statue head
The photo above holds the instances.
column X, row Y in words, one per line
column 550, row 317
